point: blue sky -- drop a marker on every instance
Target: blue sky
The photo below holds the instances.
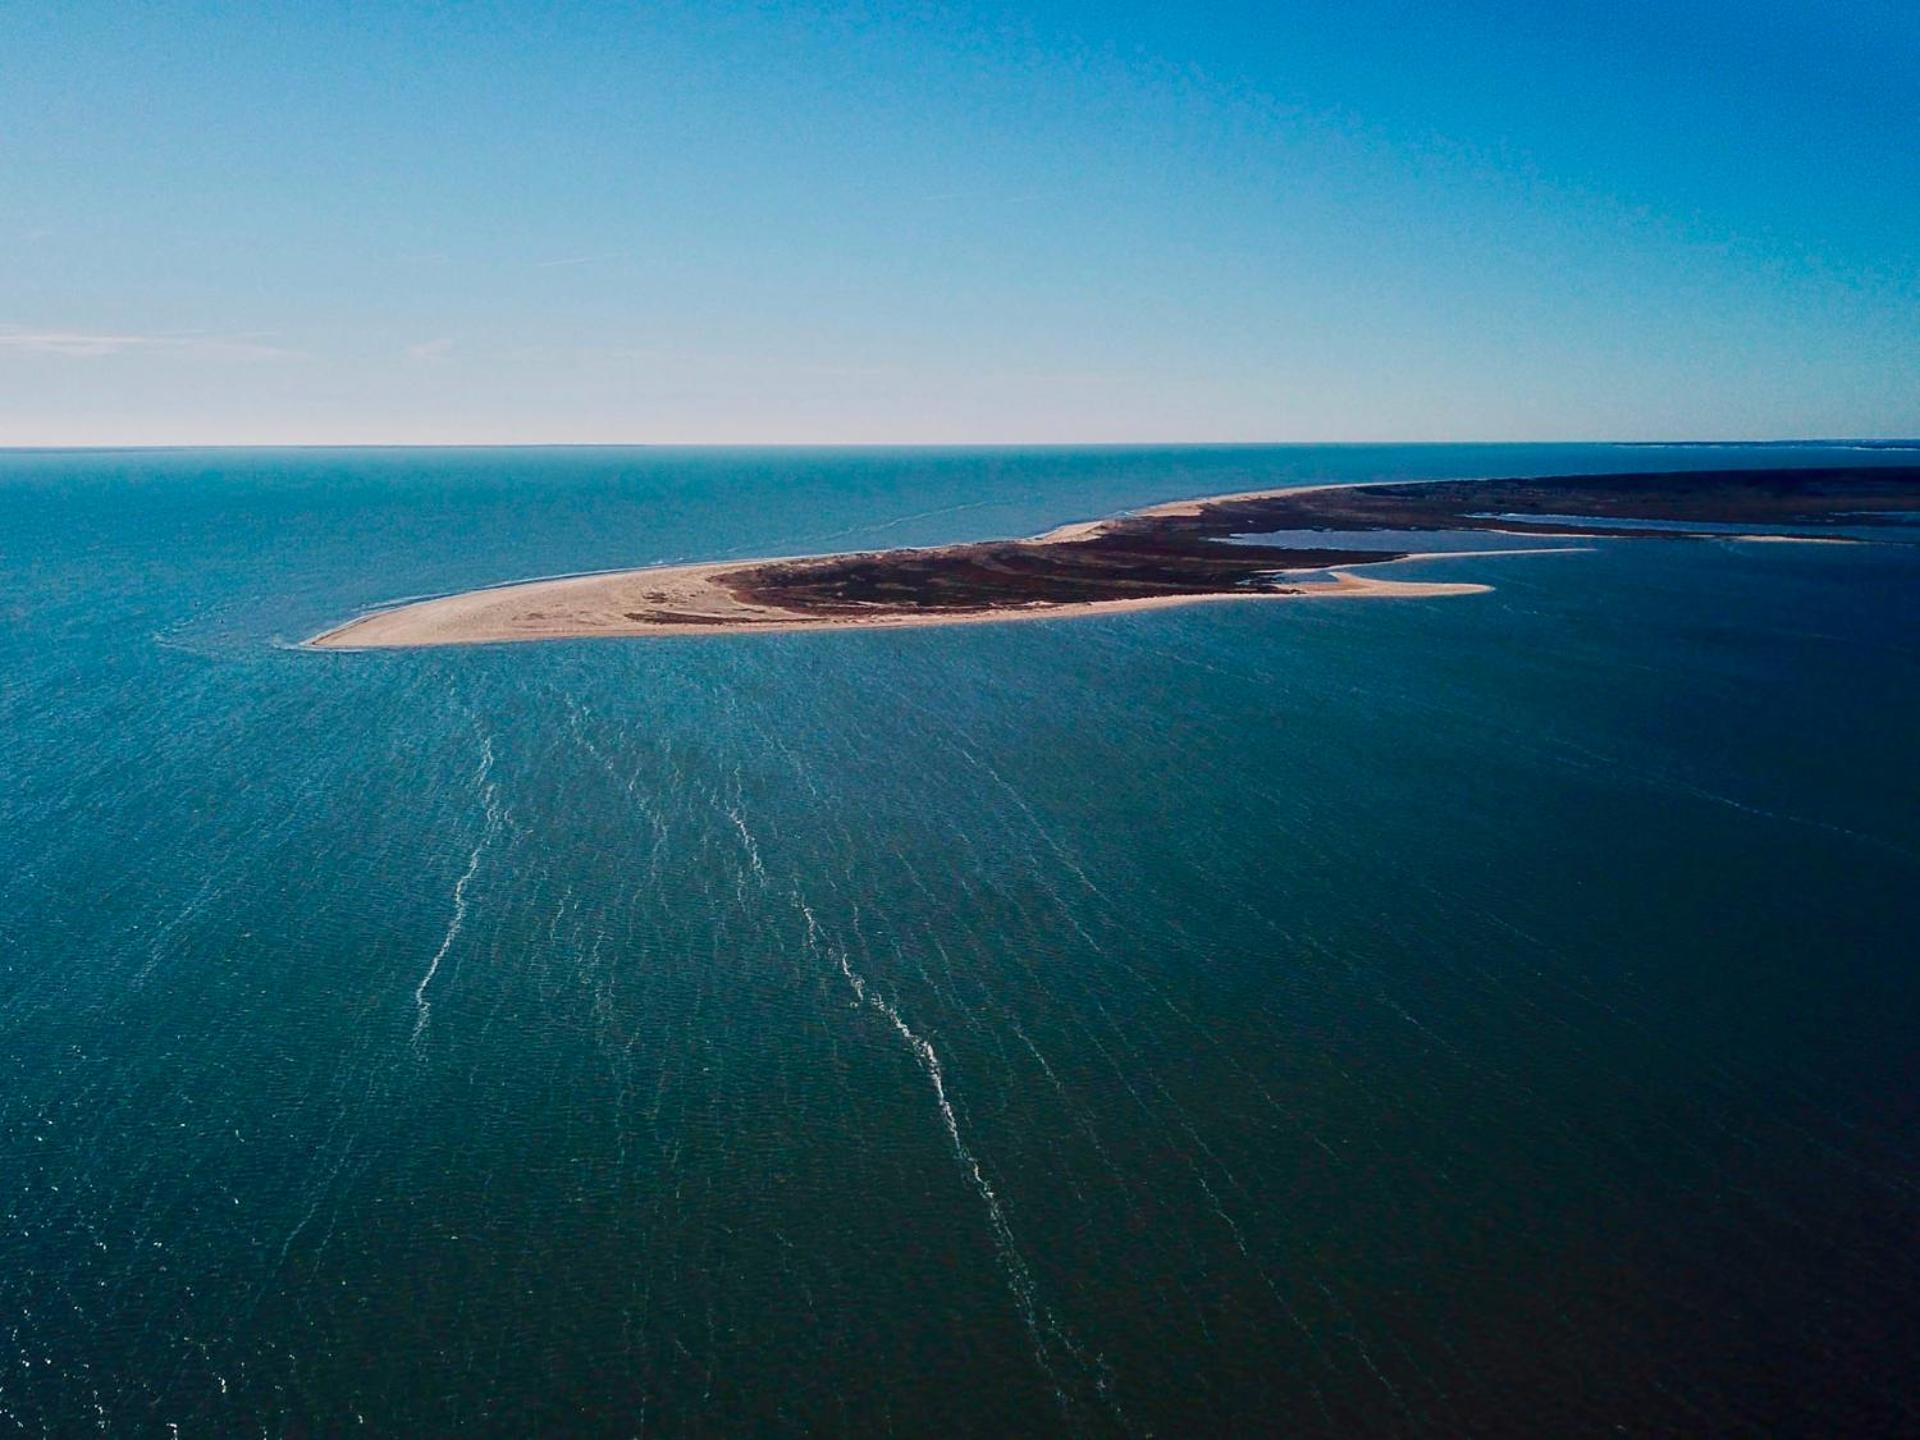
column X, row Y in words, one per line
column 1078, row 222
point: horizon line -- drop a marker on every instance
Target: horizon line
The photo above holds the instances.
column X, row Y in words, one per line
column 127, row 447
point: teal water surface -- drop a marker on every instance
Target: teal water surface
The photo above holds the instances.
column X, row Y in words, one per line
column 1477, row 1016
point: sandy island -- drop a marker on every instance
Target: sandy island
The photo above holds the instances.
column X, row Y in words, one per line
column 1179, row 553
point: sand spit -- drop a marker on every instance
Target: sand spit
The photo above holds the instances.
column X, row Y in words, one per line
column 594, row 606
column 1181, row 552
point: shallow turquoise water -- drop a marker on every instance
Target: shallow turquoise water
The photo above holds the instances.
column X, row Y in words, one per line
column 1480, row 1016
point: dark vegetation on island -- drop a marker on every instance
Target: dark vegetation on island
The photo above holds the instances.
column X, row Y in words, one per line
column 1191, row 550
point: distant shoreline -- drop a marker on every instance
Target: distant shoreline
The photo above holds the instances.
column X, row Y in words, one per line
column 1178, row 552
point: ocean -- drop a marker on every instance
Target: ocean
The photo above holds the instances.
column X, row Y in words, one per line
column 1490, row 1015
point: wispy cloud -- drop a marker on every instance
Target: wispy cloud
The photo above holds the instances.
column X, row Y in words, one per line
column 577, row 260
column 93, row 345
column 428, row 351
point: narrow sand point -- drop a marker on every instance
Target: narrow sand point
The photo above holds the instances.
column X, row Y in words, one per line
column 1271, row 544
column 590, row 606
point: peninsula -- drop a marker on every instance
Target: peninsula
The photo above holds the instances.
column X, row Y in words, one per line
column 1259, row 544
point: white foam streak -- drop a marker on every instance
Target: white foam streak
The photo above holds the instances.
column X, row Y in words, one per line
column 491, row 800
column 1019, row 1277
column 747, row 840
column 1040, row 1325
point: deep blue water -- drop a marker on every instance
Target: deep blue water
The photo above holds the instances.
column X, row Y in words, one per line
column 1482, row 1016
